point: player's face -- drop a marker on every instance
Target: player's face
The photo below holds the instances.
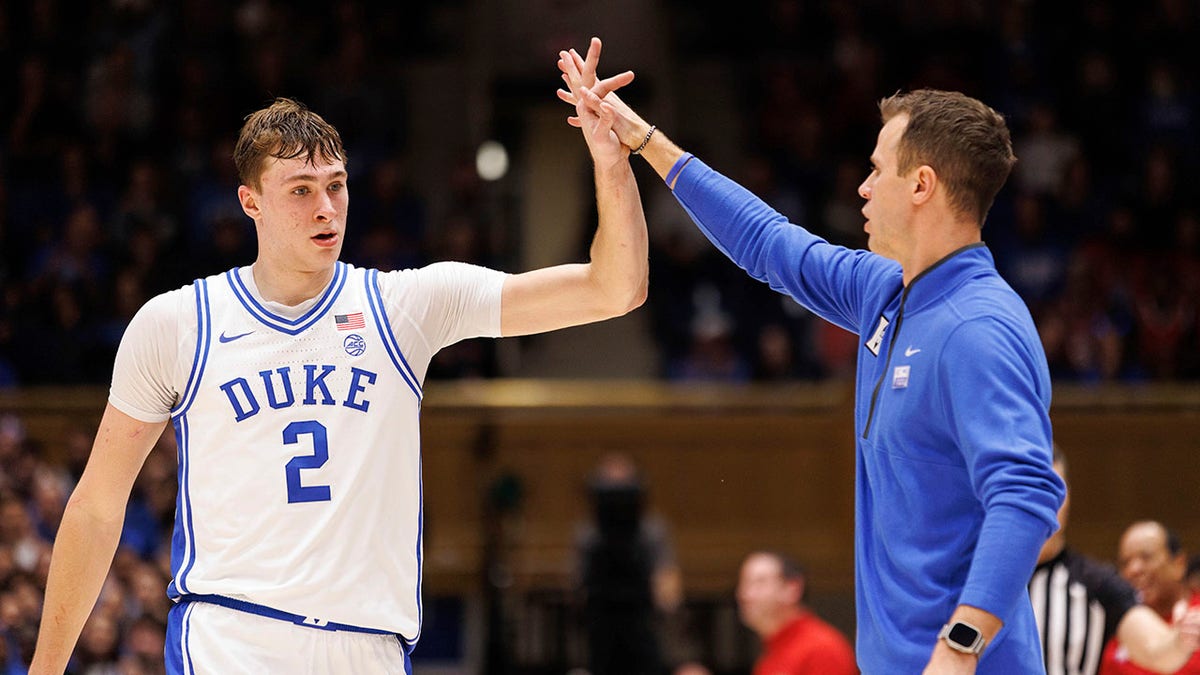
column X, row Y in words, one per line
column 761, row 592
column 301, row 213
column 1147, row 563
column 888, row 194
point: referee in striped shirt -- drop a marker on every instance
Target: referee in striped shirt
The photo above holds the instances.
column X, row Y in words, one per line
column 1080, row 604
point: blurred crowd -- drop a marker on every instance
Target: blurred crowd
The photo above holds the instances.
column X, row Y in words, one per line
column 116, row 172
column 116, row 182
column 125, row 633
column 1094, row 229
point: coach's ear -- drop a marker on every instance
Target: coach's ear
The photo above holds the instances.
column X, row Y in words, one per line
column 924, row 184
column 249, row 202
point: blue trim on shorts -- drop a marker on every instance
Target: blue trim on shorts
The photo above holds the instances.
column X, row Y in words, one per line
column 271, row 613
column 175, row 647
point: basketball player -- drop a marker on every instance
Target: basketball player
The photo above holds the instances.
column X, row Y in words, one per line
column 954, row 493
column 294, row 387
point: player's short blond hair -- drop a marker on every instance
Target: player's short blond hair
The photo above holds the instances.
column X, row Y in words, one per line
column 286, row 129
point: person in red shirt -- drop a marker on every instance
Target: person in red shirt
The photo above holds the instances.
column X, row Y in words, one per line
column 1152, row 560
column 770, row 598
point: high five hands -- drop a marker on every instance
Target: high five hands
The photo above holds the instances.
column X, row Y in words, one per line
column 598, row 110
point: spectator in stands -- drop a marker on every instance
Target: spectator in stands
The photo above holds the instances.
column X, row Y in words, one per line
column 17, row 532
column 770, row 598
column 141, row 650
column 1152, row 559
column 1045, row 151
column 712, row 354
column 20, row 605
column 1035, row 261
column 99, row 645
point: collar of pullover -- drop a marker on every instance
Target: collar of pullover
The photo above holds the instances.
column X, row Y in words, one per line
column 948, row 273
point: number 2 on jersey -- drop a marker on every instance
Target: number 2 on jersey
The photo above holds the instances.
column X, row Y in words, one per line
column 320, row 454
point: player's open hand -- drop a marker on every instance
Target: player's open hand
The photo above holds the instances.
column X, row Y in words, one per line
column 599, row 96
column 583, row 74
column 594, row 116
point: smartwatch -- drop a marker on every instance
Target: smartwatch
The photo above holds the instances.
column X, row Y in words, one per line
column 962, row 637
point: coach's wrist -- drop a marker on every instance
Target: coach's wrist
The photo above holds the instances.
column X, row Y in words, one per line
column 987, row 623
column 946, row 660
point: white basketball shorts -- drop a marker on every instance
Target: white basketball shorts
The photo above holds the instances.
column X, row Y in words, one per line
column 204, row 639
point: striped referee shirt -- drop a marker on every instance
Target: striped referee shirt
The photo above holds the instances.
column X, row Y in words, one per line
column 1078, row 603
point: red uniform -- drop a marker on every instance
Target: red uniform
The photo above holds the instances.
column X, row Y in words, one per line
column 806, row 646
column 1116, row 659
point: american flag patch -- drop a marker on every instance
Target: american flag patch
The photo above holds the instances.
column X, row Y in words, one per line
column 349, row 321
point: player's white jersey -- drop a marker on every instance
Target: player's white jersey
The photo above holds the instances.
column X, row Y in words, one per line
column 299, row 458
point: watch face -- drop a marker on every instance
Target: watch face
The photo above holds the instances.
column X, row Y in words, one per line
column 963, row 634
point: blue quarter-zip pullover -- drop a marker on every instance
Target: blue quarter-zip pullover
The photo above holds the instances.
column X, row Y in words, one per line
column 955, row 492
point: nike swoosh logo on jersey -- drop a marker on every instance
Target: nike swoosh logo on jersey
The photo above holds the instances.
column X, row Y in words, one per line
column 230, row 338
column 910, row 351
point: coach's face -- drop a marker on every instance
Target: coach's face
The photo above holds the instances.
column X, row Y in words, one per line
column 300, row 213
column 888, row 194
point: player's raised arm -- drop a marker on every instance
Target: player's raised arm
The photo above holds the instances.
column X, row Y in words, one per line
column 635, row 133
column 88, row 535
column 615, row 279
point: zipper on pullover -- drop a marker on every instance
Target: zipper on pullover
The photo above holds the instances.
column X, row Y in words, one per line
column 888, row 362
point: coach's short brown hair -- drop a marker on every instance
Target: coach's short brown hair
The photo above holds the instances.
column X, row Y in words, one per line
column 286, row 129
column 965, row 142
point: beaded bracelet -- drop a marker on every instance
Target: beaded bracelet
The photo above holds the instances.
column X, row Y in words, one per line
column 645, row 140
